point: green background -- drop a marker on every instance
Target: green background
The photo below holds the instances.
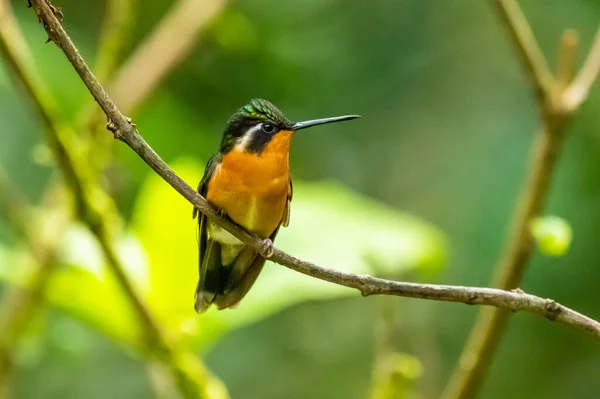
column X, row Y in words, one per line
column 447, row 122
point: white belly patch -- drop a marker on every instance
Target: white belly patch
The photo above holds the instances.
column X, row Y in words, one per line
column 221, row 235
column 230, row 246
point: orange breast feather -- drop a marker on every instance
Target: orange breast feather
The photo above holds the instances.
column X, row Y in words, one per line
column 252, row 188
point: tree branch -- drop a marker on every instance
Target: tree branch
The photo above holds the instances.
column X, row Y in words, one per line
column 566, row 67
column 578, row 92
column 485, row 336
column 192, row 378
column 125, row 131
column 157, row 56
column 166, row 46
column 20, row 303
column 524, row 42
column 115, row 28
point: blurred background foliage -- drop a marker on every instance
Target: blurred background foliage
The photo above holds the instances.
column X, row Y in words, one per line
column 421, row 188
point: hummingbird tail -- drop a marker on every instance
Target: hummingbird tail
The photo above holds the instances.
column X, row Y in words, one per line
column 226, row 285
column 211, row 278
column 243, row 273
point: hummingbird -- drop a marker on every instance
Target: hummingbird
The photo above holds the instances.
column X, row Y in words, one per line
column 248, row 180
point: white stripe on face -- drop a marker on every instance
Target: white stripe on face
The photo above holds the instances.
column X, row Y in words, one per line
column 244, row 140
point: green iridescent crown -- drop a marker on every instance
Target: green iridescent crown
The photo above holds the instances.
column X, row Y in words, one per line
column 264, row 110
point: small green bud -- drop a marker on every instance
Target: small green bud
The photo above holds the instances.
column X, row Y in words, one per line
column 552, row 235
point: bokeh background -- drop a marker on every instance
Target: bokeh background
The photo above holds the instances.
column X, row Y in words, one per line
column 421, row 188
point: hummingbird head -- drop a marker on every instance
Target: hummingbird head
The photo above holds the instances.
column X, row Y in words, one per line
column 255, row 125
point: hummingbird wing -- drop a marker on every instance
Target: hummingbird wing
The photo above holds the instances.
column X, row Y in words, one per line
column 285, row 221
column 209, row 262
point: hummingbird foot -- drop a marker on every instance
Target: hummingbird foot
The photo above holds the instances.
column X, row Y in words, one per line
column 266, row 249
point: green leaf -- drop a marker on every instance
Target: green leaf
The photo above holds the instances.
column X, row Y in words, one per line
column 96, row 302
column 82, row 286
column 5, row 270
column 234, row 31
column 552, row 235
column 395, row 376
column 330, row 225
column 162, row 221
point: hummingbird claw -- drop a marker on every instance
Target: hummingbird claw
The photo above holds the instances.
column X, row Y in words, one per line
column 266, row 249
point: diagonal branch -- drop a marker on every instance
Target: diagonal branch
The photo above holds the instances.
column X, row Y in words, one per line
column 162, row 50
column 20, row 303
column 487, row 332
column 113, row 35
column 524, row 42
column 191, row 376
column 154, row 59
column 577, row 93
column 125, row 131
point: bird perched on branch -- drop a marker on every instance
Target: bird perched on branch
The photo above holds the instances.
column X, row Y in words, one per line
column 248, row 180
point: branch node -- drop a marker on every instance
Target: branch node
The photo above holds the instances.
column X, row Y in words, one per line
column 471, row 297
column 117, row 131
column 518, row 291
column 112, row 127
column 552, row 308
column 49, row 39
column 128, row 119
column 57, row 11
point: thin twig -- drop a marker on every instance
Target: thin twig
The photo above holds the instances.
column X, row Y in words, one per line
column 566, row 68
column 578, row 92
column 13, row 206
column 489, row 327
column 20, row 303
column 158, row 55
column 114, row 34
column 115, row 28
column 524, row 42
column 166, row 46
column 192, row 378
column 125, row 131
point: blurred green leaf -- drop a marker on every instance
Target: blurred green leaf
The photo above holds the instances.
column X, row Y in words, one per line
column 5, row 270
column 552, row 235
column 29, row 350
column 331, row 226
column 162, row 221
column 83, row 287
column 234, row 31
column 395, row 376
column 69, row 338
column 97, row 302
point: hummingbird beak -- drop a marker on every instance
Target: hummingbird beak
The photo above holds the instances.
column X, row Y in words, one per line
column 315, row 122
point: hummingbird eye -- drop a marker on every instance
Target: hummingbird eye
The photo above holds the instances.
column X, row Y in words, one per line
column 268, row 128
